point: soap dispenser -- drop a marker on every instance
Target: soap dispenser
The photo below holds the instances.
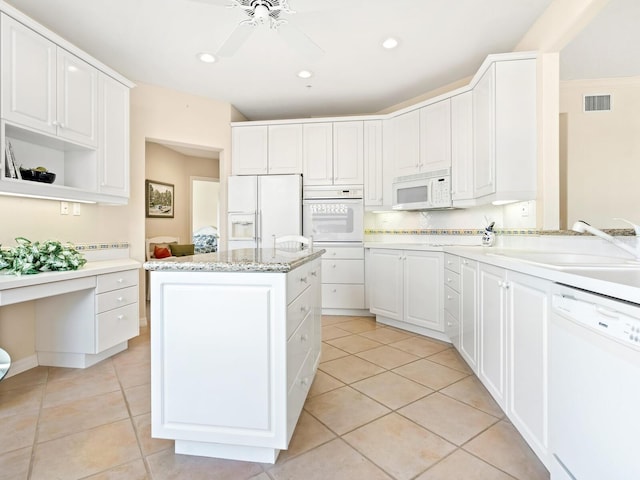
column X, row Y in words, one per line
column 489, row 236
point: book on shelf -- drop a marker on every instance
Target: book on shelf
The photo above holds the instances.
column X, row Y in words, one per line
column 10, row 168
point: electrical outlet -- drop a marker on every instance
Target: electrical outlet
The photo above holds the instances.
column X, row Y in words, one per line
column 64, row 208
column 76, row 208
column 524, row 209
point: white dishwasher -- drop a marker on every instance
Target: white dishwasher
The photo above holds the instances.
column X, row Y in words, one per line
column 594, row 393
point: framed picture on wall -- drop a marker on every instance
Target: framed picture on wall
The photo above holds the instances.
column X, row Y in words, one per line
column 159, row 199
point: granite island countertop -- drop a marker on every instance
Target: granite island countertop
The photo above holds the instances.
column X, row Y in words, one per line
column 253, row 260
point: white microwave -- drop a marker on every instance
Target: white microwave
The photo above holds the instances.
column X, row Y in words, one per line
column 422, row 191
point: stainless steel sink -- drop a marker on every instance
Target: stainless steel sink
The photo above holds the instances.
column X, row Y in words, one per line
column 568, row 260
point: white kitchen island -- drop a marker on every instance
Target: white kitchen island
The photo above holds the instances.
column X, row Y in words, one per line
column 235, row 344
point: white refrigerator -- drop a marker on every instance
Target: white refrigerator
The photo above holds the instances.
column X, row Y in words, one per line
column 261, row 206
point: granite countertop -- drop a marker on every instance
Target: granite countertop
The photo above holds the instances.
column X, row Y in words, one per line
column 253, row 260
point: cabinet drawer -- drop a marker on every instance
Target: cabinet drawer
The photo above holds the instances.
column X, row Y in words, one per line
column 348, row 253
column 452, row 329
column 299, row 309
column 298, row 347
column 298, row 280
column 343, row 271
column 452, row 302
column 452, row 262
column 452, row 280
column 116, row 280
column 342, row 296
column 116, row 326
column 116, row 298
column 298, row 393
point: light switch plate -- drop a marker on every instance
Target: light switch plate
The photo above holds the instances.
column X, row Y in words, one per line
column 76, row 208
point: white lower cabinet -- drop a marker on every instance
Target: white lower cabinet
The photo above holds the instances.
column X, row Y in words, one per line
column 492, row 322
column 469, row 312
column 406, row 288
column 513, row 320
column 527, row 353
column 84, row 327
column 233, row 358
column 343, row 278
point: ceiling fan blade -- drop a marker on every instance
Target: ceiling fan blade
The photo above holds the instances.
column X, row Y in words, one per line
column 299, row 41
column 235, row 40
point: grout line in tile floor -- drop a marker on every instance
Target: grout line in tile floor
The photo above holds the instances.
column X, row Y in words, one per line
column 422, row 418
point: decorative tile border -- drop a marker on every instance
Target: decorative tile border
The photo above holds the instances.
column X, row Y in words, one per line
column 86, row 247
column 455, row 232
column 499, row 231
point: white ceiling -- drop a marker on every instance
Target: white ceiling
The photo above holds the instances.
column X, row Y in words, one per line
column 441, row 41
column 156, row 42
column 608, row 47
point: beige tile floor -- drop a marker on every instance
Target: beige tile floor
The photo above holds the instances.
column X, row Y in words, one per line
column 386, row 404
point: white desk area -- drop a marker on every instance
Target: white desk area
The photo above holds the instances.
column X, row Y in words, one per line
column 82, row 316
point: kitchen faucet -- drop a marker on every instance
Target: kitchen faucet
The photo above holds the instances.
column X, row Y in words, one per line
column 582, row 226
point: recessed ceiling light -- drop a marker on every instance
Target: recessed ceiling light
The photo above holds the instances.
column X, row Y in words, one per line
column 206, row 57
column 390, row 43
column 305, row 74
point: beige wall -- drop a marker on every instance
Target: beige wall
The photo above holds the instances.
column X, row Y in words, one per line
column 168, row 166
column 602, row 152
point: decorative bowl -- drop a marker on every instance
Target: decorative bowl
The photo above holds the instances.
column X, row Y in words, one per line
column 37, row 175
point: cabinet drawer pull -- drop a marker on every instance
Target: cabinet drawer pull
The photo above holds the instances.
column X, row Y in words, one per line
column 449, row 280
column 303, row 279
column 120, row 299
column 313, row 274
column 304, row 337
column 448, row 297
column 120, row 317
column 120, row 280
column 333, row 266
column 304, row 381
column 304, row 309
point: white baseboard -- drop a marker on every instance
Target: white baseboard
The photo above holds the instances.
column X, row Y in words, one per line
column 23, row 365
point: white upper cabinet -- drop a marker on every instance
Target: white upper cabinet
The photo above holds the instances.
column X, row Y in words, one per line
column 28, row 77
column 267, row 149
column 504, row 132
column 285, row 149
column 45, row 87
column 406, row 134
column 77, row 99
column 61, row 110
column 317, row 153
column 348, row 153
column 333, row 153
column 435, row 136
column 373, row 167
column 249, row 150
column 462, row 148
column 114, row 136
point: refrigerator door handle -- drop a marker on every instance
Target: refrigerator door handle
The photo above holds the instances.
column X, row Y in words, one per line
column 258, row 227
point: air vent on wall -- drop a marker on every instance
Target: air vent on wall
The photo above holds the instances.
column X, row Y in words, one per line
column 597, row 103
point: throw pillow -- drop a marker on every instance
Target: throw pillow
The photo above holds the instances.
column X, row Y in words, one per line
column 181, row 250
column 161, row 252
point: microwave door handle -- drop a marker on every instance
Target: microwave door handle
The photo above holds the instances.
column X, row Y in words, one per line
column 430, row 186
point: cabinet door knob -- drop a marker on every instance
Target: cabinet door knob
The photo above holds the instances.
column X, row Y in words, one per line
column 304, row 337
column 120, row 299
column 333, row 266
column 303, row 279
column 120, row 280
column 120, row 317
column 304, row 382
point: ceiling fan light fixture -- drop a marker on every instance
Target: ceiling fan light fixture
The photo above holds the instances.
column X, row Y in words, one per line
column 305, row 74
column 206, row 57
column 390, row 43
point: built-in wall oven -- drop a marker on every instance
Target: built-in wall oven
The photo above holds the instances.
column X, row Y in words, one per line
column 333, row 213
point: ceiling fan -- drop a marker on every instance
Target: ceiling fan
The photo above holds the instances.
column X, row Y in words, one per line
column 266, row 13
